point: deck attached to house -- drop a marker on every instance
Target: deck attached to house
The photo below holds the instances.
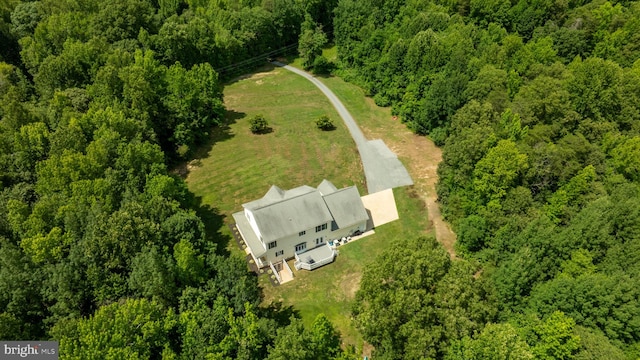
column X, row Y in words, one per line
column 314, row 258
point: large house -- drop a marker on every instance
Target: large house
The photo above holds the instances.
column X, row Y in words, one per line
column 300, row 223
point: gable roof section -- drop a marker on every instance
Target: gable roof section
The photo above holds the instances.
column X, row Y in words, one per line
column 326, row 187
column 346, row 207
column 276, row 194
column 300, row 190
column 291, row 215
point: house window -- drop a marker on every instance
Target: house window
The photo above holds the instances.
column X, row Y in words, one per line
column 273, row 244
column 319, row 241
column 301, row 233
column 280, row 253
column 321, row 227
column 301, row 246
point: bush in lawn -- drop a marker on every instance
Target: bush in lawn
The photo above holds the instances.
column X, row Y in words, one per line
column 324, row 123
column 259, row 125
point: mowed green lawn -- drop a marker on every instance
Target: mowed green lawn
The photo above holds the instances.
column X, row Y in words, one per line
column 238, row 167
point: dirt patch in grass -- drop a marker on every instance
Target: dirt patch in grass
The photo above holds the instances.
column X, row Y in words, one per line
column 422, row 162
column 267, row 71
column 367, row 349
column 349, row 285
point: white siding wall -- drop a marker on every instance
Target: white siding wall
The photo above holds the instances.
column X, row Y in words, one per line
column 287, row 244
column 252, row 222
column 348, row 230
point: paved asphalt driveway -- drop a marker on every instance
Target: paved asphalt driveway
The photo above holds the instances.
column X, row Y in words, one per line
column 382, row 169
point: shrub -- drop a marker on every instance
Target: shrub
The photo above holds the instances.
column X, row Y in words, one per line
column 259, row 125
column 322, row 66
column 324, row 123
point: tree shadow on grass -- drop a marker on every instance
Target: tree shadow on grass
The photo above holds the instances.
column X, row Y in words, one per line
column 280, row 313
column 217, row 134
column 231, row 116
column 213, row 225
column 248, row 72
column 265, row 131
column 211, row 216
column 324, row 73
column 323, row 76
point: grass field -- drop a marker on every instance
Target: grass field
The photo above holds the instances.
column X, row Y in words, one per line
column 238, row 166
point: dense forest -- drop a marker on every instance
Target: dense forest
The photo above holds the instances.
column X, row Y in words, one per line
column 537, row 107
column 535, row 103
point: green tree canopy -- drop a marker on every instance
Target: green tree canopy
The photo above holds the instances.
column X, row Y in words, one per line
column 133, row 329
column 413, row 308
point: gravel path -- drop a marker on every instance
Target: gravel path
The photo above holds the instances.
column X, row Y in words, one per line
column 382, row 169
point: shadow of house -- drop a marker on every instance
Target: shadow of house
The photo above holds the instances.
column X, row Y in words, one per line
column 369, row 225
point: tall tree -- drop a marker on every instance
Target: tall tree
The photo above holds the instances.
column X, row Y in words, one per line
column 413, row 308
column 312, row 40
column 496, row 341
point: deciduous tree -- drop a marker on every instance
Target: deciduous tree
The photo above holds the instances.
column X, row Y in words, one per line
column 132, row 329
column 312, row 40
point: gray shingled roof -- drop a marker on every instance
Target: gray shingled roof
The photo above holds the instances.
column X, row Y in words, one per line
column 290, row 216
column 326, row 187
column 300, row 190
column 346, row 207
column 276, row 194
column 282, row 213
